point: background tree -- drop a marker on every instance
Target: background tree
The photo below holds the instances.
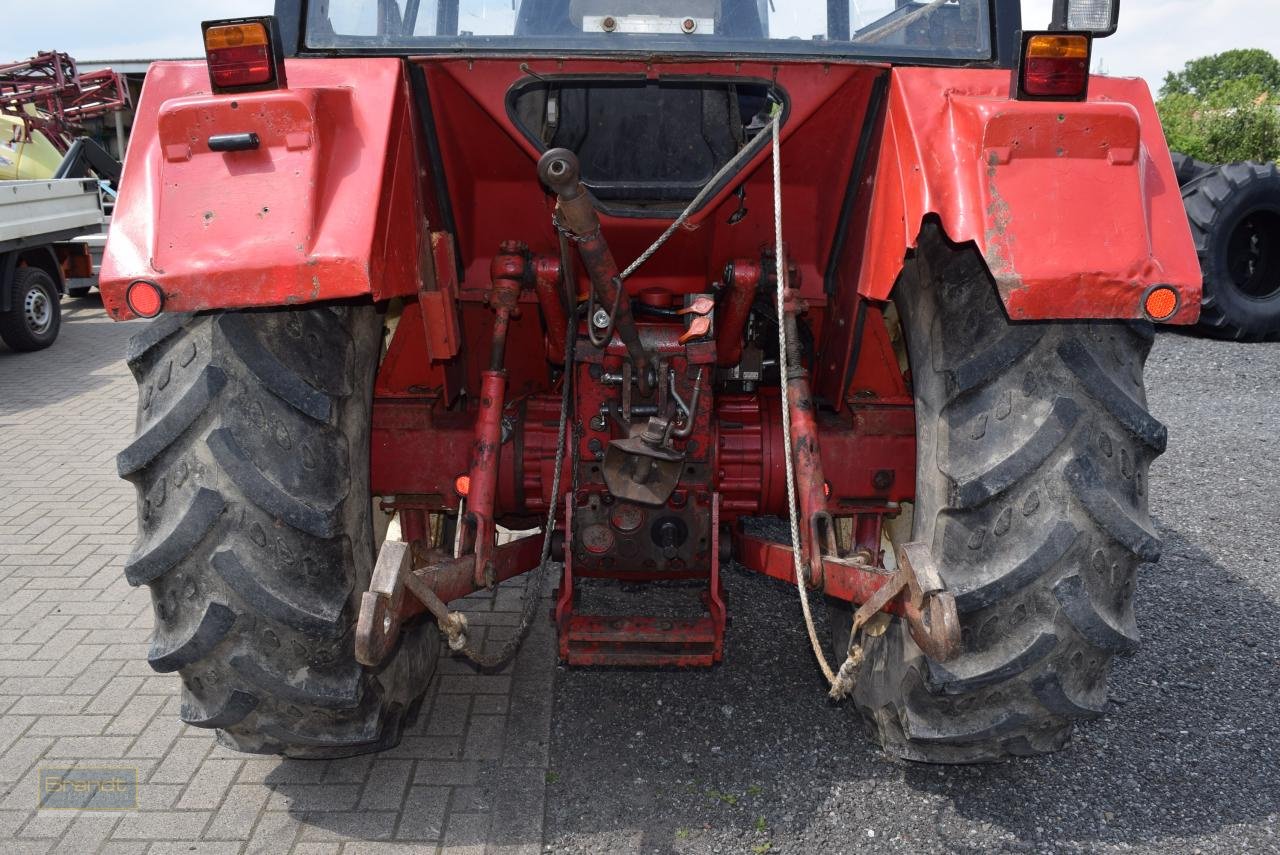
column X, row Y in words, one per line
column 1209, row 73
column 1225, row 107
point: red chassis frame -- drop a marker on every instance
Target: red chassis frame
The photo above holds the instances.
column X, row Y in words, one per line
column 341, row 200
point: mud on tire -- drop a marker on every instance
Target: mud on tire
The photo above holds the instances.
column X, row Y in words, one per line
column 1033, row 446
column 255, row 534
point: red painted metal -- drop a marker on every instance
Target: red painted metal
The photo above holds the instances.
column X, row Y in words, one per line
column 317, row 212
column 749, row 474
column 483, row 472
column 841, row 579
column 639, row 640
column 438, row 299
column 452, row 578
column 489, row 161
column 508, row 273
column 810, row 485
column 575, row 208
column 564, row 595
column 345, row 127
column 413, row 436
column 1074, row 205
column 413, row 524
column 551, row 297
column 419, row 446
column 731, row 318
column 407, row 370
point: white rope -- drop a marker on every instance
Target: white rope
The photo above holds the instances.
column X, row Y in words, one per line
column 841, row 683
column 712, row 186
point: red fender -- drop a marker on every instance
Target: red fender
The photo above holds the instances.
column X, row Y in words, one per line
column 1074, row 206
column 296, row 223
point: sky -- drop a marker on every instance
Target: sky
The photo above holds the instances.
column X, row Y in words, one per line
column 1155, row 36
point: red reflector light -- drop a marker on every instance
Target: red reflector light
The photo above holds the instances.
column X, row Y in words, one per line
column 145, row 299
column 240, row 55
column 1160, row 303
column 1054, row 66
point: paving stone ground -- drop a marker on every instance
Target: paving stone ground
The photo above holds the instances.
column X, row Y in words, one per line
column 76, row 691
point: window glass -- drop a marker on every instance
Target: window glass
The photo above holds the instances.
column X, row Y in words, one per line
column 948, row 29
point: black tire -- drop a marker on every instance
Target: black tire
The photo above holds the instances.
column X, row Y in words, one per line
column 1235, row 220
column 255, row 528
column 1187, row 168
column 35, row 314
column 1033, row 446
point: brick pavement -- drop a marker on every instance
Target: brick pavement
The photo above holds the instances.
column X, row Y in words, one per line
column 76, row 691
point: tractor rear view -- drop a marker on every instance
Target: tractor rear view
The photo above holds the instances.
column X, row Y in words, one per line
column 631, row 273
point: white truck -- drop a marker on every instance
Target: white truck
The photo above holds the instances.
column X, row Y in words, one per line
column 39, row 223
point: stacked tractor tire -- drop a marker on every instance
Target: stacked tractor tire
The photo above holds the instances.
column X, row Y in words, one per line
column 1234, row 211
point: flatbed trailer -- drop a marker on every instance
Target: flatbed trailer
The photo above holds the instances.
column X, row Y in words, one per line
column 39, row 223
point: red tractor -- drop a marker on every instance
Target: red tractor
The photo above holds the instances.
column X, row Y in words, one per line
column 632, row 272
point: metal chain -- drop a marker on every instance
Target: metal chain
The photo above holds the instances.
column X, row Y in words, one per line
column 538, row 580
column 841, row 683
column 566, row 232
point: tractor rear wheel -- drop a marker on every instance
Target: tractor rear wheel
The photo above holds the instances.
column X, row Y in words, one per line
column 1033, row 446
column 255, row 530
column 1187, row 168
column 1235, row 220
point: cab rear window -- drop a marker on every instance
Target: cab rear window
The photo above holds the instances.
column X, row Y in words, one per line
column 924, row 29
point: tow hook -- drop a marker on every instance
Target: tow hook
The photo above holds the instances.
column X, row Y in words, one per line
column 381, row 607
column 930, row 609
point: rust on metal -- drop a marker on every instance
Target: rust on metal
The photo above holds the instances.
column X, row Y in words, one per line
column 400, row 590
column 382, row 606
column 811, row 487
column 914, row 591
column 643, row 640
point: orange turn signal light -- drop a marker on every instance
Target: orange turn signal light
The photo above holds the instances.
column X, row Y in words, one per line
column 144, row 299
column 221, row 37
column 462, row 484
column 1055, row 66
column 242, row 55
column 1161, row 303
column 1064, row 46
